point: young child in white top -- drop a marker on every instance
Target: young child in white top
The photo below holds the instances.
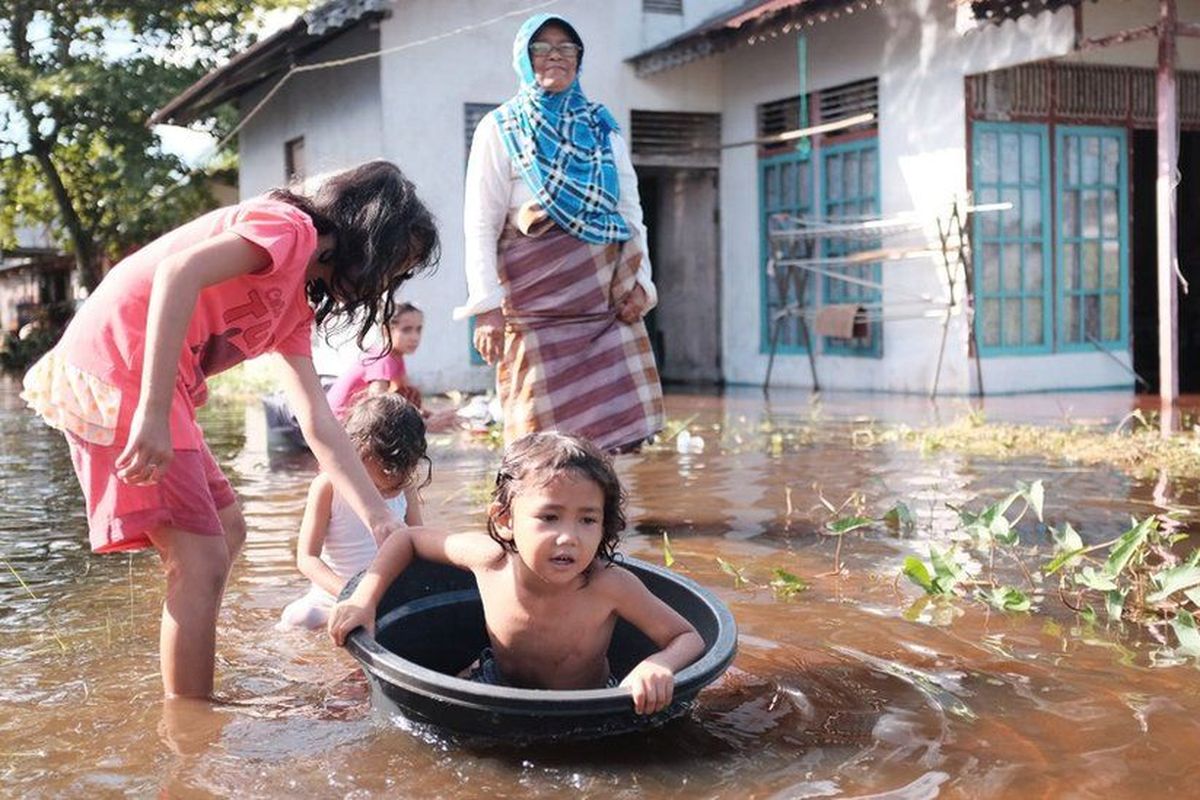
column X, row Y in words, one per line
column 389, row 434
column 551, row 591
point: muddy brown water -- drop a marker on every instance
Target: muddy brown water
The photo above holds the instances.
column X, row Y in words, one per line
column 848, row 690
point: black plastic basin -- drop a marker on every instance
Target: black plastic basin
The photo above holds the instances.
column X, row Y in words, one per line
column 429, row 626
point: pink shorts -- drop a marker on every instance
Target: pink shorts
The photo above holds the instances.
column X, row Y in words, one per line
column 121, row 516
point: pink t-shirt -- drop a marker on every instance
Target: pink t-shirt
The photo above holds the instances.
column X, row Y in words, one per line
column 366, row 369
column 234, row 320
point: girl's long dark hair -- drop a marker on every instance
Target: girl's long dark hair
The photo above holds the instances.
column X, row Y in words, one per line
column 383, row 235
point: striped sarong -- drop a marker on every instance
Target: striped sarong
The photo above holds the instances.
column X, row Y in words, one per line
column 569, row 364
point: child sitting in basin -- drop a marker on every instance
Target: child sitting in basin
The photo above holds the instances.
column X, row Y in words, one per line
column 389, row 434
column 550, row 589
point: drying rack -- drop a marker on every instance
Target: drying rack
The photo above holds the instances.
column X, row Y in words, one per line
column 800, row 247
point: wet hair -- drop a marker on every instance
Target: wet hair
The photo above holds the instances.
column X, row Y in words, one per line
column 382, row 235
column 390, row 431
column 568, row 29
column 536, row 459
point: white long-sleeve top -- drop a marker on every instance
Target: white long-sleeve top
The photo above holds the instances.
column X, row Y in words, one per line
column 494, row 193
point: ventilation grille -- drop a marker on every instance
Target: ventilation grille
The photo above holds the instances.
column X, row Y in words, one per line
column 662, row 6
column 836, row 102
column 778, row 116
column 675, row 136
column 849, row 99
column 1078, row 92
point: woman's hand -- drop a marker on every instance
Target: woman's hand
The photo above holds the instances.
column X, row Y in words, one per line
column 652, row 684
column 633, row 306
column 148, row 451
column 345, row 617
column 489, row 335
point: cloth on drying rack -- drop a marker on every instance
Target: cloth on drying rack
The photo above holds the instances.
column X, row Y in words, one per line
column 841, row 320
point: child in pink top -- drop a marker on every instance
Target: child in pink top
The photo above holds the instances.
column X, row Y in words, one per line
column 126, row 378
column 375, row 372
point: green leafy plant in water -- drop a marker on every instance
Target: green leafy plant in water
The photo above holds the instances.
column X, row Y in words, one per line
column 785, row 585
column 941, row 577
column 1007, row 598
column 990, row 531
column 1138, row 576
column 845, row 518
column 668, row 553
column 899, row 519
column 1184, row 625
column 738, row 573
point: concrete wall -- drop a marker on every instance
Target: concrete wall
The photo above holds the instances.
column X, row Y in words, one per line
column 920, row 60
column 335, row 110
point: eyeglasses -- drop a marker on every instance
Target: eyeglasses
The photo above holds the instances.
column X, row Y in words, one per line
column 568, row 50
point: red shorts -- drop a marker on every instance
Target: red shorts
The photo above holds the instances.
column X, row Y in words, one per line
column 121, row 516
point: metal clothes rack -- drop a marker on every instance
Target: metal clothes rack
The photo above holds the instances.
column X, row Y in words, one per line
column 798, row 248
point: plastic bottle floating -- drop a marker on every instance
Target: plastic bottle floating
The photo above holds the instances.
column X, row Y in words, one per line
column 430, row 625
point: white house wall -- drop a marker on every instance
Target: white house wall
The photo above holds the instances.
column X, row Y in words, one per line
column 335, row 110
column 920, row 61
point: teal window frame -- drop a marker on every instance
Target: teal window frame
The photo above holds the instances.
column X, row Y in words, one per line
column 1083, row 187
column 862, row 201
column 1109, row 233
column 1004, row 232
column 791, row 341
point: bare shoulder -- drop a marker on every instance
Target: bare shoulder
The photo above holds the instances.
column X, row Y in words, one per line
column 489, row 554
column 615, row 580
column 471, row 550
column 320, row 485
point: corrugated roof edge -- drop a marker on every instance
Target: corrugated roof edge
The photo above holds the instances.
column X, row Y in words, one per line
column 232, row 79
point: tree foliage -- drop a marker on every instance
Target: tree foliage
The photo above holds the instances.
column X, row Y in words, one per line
column 78, row 81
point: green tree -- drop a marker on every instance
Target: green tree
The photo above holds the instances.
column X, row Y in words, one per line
column 78, row 80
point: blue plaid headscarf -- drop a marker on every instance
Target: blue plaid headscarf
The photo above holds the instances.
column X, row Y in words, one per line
column 560, row 145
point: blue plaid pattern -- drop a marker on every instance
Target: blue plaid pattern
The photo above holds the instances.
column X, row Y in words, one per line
column 559, row 143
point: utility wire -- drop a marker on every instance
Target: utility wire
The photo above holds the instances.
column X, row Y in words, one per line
column 341, row 62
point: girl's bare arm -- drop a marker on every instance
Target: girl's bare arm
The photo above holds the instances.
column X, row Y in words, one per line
column 652, row 681
column 465, row 550
column 313, row 529
column 333, row 449
column 177, row 283
column 413, row 515
column 471, row 550
column 358, row 610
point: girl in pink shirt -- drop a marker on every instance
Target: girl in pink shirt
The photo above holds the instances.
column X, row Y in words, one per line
column 126, row 378
column 376, row 371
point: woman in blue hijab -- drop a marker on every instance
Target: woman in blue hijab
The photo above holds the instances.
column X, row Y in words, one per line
column 557, row 272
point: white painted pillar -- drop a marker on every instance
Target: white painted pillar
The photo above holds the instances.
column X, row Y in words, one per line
column 1168, row 156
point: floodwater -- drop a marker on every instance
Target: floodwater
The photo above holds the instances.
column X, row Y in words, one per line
column 846, row 690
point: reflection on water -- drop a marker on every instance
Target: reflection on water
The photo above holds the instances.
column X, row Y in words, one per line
column 835, row 693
